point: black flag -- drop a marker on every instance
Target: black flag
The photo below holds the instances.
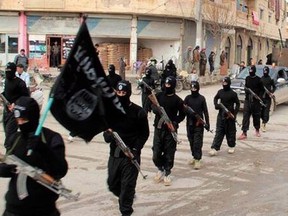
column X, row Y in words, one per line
column 83, row 100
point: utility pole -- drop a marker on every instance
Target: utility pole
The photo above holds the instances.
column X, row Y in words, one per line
column 198, row 13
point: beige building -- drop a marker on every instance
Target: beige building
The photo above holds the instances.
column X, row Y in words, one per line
column 250, row 29
column 245, row 29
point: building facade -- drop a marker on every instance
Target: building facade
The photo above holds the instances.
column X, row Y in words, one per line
column 167, row 28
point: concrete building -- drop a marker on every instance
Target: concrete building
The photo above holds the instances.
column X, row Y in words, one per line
column 168, row 28
column 250, row 29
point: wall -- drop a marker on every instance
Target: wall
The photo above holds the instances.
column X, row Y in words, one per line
column 179, row 8
column 167, row 49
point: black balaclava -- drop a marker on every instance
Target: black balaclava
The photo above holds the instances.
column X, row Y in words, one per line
column 266, row 71
column 27, row 108
column 170, row 63
column 252, row 71
column 195, row 85
column 227, row 80
column 111, row 70
column 124, row 85
column 10, row 70
column 172, row 81
column 148, row 72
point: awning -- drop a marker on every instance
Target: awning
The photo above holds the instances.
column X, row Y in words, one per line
column 255, row 18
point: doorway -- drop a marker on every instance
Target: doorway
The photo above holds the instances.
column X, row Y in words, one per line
column 54, row 50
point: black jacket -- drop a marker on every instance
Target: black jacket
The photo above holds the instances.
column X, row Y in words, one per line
column 14, row 89
column 269, row 85
column 48, row 156
column 229, row 99
column 255, row 84
column 133, row 128
column 149, row 81
column 173, row 106
column 113, row 80
column 199, row 105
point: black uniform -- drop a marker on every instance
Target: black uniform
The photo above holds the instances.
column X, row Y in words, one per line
column 48, row 155
column 195, row 130
column 133, row 128
column 270, row 86
column 225, row 126
column 113, row 78
column 14, row 89
column 252, row 106
column 169, row 70
column 164, row 146
column 145, row 91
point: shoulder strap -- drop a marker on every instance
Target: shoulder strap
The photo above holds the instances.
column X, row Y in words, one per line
column 14, row 144
column 43, row 139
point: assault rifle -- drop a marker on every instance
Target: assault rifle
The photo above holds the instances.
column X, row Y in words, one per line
column 229, row 113
column 164, row 115
column 200, row 121
column 147, row 86
column 126, row 150
column 255, row 96
column 24, row 169
column 270, row 94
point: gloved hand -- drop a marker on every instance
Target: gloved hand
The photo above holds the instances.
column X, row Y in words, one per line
column 108, row 136
column 135, row 153
column 207, row 127
column 7, row 170
column 175, row 124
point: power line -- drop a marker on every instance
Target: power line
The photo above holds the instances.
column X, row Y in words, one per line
column 163, row 4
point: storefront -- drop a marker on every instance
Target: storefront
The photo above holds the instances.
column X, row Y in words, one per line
column 163, row 36
column 9, row 25
column 44, row 32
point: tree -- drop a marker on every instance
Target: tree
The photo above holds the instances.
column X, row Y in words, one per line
column 219, row 19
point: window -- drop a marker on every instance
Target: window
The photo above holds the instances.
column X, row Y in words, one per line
column 37, row 46
column 261, row 13
column 2, row 43
column 12, row 44
column 242, row 5
column 269, row 18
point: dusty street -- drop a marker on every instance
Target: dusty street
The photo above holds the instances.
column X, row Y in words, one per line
column 253, row 181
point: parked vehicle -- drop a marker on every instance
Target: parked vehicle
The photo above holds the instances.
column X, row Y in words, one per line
column 278, row 74
column 186, row 79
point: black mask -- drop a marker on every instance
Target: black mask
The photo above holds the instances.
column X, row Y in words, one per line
column 10, row 75
column 169, row 90
column 226, row 87
column 27, row 128
column 124, row 100
column 252, row 71
column 27, row 108
column 111, row 70
column 195, row 93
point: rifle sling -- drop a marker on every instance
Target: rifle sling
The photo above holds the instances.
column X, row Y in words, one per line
column 43, row 139
column 117, row 152
column 160, row 122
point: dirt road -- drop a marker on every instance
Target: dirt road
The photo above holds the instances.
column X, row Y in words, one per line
column 251, row 182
